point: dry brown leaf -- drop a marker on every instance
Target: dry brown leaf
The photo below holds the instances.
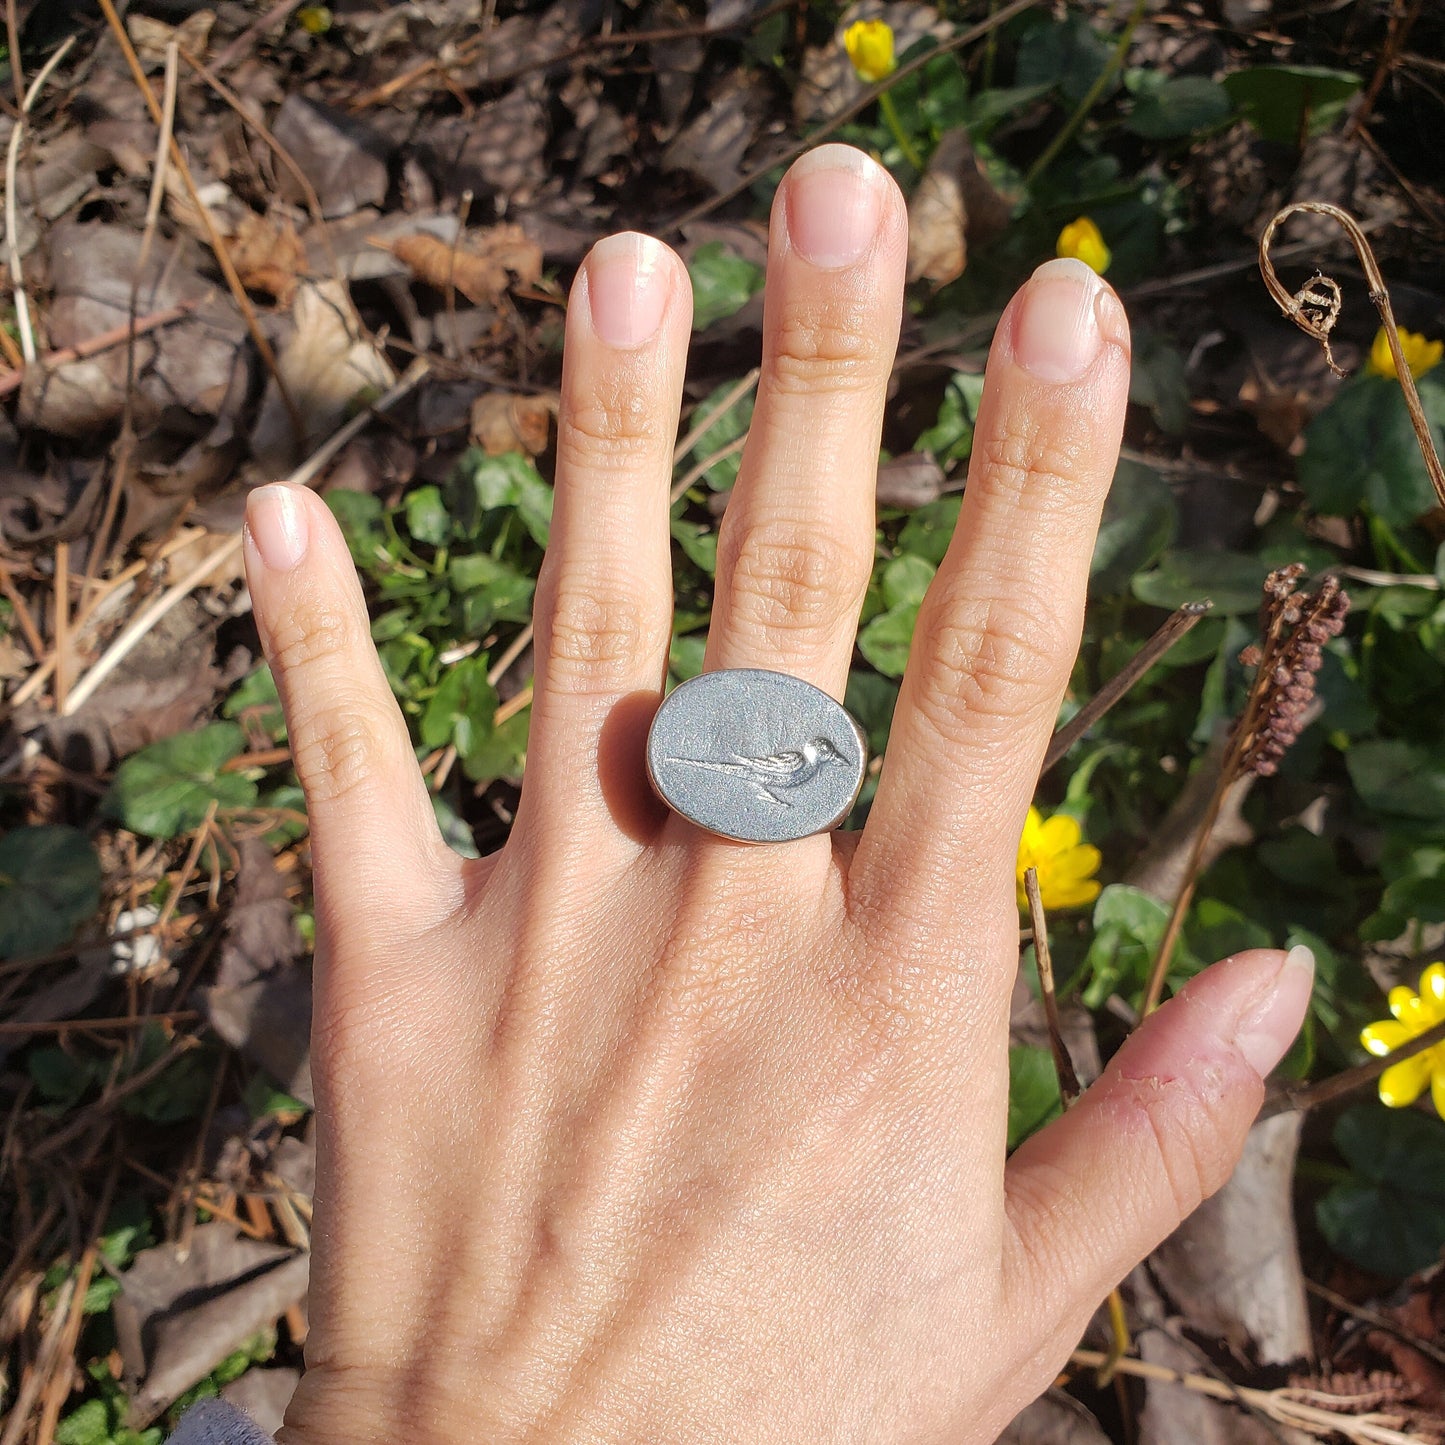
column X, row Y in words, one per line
column 268, row 256
column 937, row 227
column 502, row 422
column 481, row 268
column 150, row 37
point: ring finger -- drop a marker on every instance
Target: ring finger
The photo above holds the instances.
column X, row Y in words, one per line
column 796, row 546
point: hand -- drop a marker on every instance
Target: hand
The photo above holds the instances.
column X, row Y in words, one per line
column 629, row 1133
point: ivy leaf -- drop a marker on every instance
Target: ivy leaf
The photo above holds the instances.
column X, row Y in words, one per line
column 885, row 641
column 929, row 530
column 1390, row 1218
column 483, row 484
column 1398, row 777
column 950, row 438
column 1033, row 1092
column 166, row 789
column 1361, row 451
column 1166, row 109
column 905, row 580
column 1230, row 580
column 49, row 885
column 1139, row 522
column 1288, row 103
column 427, row 518
column 722, row 283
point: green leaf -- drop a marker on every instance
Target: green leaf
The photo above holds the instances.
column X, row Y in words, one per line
column 49, row 885
column 722, row 283
column 87, row 1425
column 1157, row 381
column 1128, row 929
column 1289, row 103
column 1033, row 1092
column 1391, row 1217
column 61, row 1077
column 1068, row 53
column 263, row 1100
column 685, row 658
column 885, row 641
column 180, row 1092
column 166, row 789
column 461, row 710
column 871, row 699
column 484, row 484
column 500, row 752
column 359, row 514
column 1217, row 929
column 929, row 530
column 505, row 594
column 698, row 542
column 427, row 518
column 1361, row 451
column 1166, row 109
column 256, row 695
column 1139, row 522
column 1399, row 777
column 1230, row 580
column 455, row 830
column 732, row 424
column 950, row 438
column 905, row 580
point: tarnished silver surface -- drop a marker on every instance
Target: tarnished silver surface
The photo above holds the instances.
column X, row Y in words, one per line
column 757, row 756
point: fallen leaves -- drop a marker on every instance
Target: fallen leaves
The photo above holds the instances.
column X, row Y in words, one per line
column 503, row 422
column 481, row 266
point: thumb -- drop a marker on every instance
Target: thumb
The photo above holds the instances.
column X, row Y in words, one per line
column 1157, row 1133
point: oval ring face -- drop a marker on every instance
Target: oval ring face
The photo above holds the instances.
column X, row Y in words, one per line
column 757, row 756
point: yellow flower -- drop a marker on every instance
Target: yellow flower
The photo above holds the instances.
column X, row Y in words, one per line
column 1403, row 1083
column 314, row 19
column 1420, row 355
column 1066, row 865
column 869, row 44
column 1082, row 241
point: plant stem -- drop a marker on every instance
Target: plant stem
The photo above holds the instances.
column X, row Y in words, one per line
column 890, row 116
column 1091, row 96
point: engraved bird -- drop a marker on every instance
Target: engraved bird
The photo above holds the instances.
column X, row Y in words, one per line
column 777, row 772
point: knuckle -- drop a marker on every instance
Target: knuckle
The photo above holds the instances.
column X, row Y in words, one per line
column 789, row 578
column 1035, row 467
column 314, row 631
column 986, row 662
column 823, row 348
column 616, row 425
column 337, row 749
column 596, row 634
column 1188, row 1153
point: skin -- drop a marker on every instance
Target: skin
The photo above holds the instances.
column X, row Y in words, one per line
column 628, row 1133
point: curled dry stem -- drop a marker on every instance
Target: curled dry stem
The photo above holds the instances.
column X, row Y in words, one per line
column 1315, row 308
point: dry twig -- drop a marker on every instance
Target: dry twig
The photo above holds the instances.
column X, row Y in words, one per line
column 1315, row 308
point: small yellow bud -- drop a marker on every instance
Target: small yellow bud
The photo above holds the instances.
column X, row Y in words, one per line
column 1420, row 355
column 869, row 44
column 1082, row 241
column 314, row 19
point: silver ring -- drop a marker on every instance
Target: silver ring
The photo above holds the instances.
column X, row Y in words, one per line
column 760, row 757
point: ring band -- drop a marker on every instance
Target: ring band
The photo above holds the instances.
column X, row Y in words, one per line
column 756, row 756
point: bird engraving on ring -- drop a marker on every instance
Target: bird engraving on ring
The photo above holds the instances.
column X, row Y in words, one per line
column 775, row 774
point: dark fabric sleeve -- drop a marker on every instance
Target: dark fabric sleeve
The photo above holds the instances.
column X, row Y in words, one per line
column 214, row 1422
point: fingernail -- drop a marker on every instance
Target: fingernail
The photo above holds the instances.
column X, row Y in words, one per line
column 1265, row 1033
column 833, row 205
column 1056, row 333
column 628, row 283
column 276, row 524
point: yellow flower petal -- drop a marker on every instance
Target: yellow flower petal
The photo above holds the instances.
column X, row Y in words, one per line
column 1077, row 864
column 869, row 44
column 1405, row 1082
column 1082, row 241
column 1405, row 1006
column 1421, row 355
column 1058, row 834
column 1384, row 1037
column 1432, row 990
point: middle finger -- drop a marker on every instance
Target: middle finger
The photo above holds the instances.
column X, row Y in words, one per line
column 796, row 546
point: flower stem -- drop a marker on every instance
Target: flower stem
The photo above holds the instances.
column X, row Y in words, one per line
column 890, row 116
column 1091, row 97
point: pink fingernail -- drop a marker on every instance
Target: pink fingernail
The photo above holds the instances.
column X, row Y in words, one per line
column 1056, row 333
column 834, row 202
column 1265, row 1033
column 628, row 283
column 276, row 524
